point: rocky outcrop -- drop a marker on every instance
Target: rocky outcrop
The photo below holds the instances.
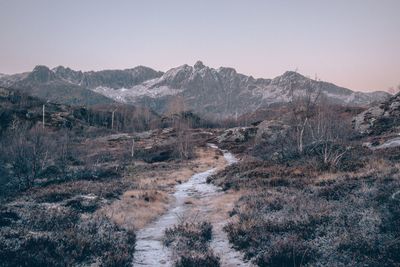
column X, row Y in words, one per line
column 383, row 118
column 41, row 74
column 270, row 131
column 237, row 134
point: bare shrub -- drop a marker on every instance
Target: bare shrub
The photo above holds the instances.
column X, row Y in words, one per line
column 322, row 220
column 182, row 124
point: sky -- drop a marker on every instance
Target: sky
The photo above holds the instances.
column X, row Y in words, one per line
column 352, row 43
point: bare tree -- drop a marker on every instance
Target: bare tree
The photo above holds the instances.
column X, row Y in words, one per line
column 302, row 108
column 28, row 153
column 182, row 126
column 329, row 132
column 133, row 147
column 112, row 118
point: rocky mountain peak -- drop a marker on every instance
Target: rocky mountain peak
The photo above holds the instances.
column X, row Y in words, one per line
column 146, row 71
column 291, row 75
column 41, row 74
column 199, row 65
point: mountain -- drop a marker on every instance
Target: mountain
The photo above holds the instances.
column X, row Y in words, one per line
column 66, row 86
column 207, row 91
column 224, row 92
column 110, row 78
column 44, row 83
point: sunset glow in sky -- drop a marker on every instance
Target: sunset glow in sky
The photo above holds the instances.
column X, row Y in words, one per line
column 352, row 43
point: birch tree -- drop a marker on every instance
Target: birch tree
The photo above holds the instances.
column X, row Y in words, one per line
column 302, row 108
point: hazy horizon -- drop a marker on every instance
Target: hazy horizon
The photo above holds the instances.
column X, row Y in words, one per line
column 354, row 44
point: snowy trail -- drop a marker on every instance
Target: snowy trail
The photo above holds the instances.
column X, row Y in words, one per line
column 149, row 248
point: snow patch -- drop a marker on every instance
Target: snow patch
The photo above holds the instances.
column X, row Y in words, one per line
column 131, row 94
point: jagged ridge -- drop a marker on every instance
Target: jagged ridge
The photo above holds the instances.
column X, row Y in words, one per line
column 214, row 92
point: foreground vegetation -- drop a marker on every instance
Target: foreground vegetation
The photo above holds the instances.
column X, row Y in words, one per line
column 296, row 218
column 190, row 244
column 297, row 210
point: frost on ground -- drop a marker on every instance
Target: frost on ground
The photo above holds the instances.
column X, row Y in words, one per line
column 150, row 250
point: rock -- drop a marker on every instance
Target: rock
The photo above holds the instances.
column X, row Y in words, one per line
column 269, row 131
column 379, row 119
column 391, row 143
column 238, row 134
column 144, row 135
column 84, row 203
column 364, row 121
column 5, row 93
column 117, row 137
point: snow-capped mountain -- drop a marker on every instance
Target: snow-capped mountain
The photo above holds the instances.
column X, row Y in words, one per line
column 224, row 92
column 217, row 92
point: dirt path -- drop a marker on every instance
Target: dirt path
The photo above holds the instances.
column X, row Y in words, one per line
column 152, row 195
column 192, row 198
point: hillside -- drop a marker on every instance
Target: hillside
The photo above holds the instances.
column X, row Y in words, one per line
column 43, row 83
column 20, row 110
column 382, row 118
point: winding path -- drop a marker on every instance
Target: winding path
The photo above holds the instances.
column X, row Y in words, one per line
column 149, row 248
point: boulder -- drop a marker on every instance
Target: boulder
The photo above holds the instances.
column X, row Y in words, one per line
column 237, row 134
column 384, row 118
column 270, row 131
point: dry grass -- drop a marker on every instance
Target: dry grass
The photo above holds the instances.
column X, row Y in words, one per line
column 136, row 208
column 314, row 218
column 150, row 198
column 217, row 207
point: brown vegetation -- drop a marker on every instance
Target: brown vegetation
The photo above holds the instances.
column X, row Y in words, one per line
column 189, row 241
column 298, row 215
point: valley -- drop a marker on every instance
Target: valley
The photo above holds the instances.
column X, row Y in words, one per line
column 200, row 133
column 184, row 191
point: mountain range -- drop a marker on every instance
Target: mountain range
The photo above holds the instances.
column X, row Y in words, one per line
column 207, row 91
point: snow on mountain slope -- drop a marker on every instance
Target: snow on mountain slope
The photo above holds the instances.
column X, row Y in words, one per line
column 223, row 91
column 214, row 92
column 130, row 94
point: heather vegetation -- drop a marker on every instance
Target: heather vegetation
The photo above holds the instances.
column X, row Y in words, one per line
column 315, row 195
column 189, row 241
column 58, row 179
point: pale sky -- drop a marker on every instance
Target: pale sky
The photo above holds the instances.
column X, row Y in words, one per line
column 352, row 43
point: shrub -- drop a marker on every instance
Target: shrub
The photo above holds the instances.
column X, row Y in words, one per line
column 330, row 220
column 81, row 242
column 189, row 242
column 205, row 259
